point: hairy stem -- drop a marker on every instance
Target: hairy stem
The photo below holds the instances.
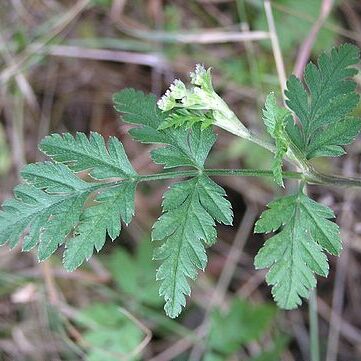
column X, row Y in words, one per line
column 217, row 172
column 334, row 180
column 312, row 177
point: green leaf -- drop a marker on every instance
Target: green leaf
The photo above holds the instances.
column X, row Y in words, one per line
column 60, row 224
column 183, row 147
column 139, row 282
column 212, row 356
column 31, row 209
column 328, row 143
column 190, row 207
column 80, row 153
column 273, row 113
column 297, row 251
column 274, row 352
column 243, row 323
column 187, row 225
column 113, row 205
column 187, row 118
column 52, row 177
column 329, row 99
column 109, row 334
column 54, row 206
column 274, row 118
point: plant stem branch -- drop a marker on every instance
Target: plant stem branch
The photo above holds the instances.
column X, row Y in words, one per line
column 216, row 172
column 309, row 174
column 314, row 337
column 315, row 178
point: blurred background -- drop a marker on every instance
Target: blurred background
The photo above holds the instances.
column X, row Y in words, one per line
column 60, row 63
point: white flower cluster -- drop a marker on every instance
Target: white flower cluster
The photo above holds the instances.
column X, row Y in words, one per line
column 201, row 96
column 197, row 76
column 176, row 91
column 202, row 77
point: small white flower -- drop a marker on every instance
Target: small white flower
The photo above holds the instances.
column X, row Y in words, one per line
column 166, row 102
column 178, row 89
column 198, row 76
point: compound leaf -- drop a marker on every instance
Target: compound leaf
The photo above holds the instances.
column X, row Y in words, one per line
column 187, row 225
column 272, row 113
column 187, row 118
column 297, row 251
column 329, row 99
column 55, row 206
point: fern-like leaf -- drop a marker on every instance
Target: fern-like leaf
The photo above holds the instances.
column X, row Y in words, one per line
column 54, row 205
column 186, row 227
column 297, row 251
column 328, row 100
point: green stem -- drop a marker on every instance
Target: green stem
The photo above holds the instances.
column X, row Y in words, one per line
column 313, row 177
column 314, row 336
column 216, row 172
column 262, row 143
column 321, row 178
column 167, row 175
column 250, row 173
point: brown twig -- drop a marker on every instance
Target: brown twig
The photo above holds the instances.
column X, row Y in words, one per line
column 275, row 45
column 117, row 9
column 341, row 272
column 180, row 346
column 23, row 84
column 147, row 332
column 306, row 47
column 49, row 282
column 70, row 51
column 350, row 332
column 209, row 36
